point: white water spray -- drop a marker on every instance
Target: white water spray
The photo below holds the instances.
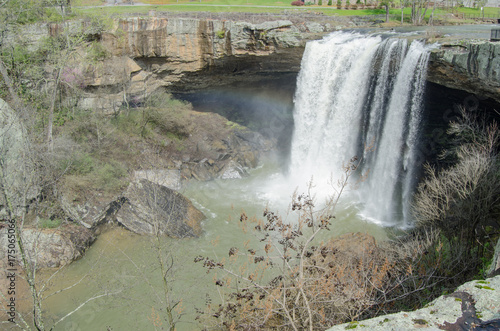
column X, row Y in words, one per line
column 355, row 91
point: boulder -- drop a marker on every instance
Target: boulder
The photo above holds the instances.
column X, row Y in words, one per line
column 146, row 207
column 53, row 247
column 17, row 176
column 89, row 211
column 149, row 208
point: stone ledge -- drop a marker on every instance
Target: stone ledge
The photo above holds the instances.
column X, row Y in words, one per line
column 475, row 302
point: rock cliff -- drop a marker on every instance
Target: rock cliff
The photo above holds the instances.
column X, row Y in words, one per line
column 472, row 66
column 145, row 54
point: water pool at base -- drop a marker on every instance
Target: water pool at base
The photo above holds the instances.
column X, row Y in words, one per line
column 126, row 266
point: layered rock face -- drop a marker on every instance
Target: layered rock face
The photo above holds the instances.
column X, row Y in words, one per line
column 470, row 66
column 144, row 207
column 187, row 53
column 149, row 208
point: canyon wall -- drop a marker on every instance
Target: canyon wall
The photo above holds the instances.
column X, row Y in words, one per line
column 144, row 54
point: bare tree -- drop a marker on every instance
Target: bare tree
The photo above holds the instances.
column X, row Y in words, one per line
column 463, row 199
column 418, row 11
column 287, row 283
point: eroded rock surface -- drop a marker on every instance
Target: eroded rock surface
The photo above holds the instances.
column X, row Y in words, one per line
column 149, row 208
column 17, row 176
column 470, row 66
column 51, row 248
column 473, row 306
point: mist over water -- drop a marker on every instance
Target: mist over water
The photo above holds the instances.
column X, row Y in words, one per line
column 361, row 95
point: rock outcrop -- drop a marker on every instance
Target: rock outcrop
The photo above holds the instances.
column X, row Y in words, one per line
column 185, row 53
column 144, row 208
column 18, row 179
column 149, row 208
column 470, row 66
column 52, row 248
column 474, row 303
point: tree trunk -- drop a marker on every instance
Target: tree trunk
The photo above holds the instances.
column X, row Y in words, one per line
column 50, row 142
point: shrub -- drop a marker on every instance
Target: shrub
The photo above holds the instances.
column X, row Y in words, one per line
column 47, row 223
column 330, row 2
column 221, row 34
column 97, row 52
column 297, row 3
column 465, row 198
column 110, row 176
column 73, row 77
column 290, row 281
column 320, row 2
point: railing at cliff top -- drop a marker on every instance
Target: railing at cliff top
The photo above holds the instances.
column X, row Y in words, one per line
column 481, row 16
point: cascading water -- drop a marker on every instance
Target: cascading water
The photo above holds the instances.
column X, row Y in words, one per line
column 353, row 92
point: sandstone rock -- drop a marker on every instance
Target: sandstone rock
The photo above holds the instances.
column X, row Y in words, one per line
column 18, row 178
column 221, row 149
column 233, row 170
column 470, row 66
column 449, row 312
column 53, row 247
column 89, row 212
column 170, row 178
column 495, row 262
column 148, row 207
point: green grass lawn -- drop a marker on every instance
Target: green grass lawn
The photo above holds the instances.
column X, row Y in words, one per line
column 251, row 6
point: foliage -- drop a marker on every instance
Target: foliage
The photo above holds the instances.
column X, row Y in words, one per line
column 73, row 77
column 79, row 164
column 47, row 223
column 320, row 2
column 297, row 290
column 110, row 176
column 463, row 200
column 22, row 11
column 96, row 52
column 220, row 34
column 330, row 2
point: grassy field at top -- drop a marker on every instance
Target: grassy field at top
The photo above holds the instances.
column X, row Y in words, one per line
column 252, row 6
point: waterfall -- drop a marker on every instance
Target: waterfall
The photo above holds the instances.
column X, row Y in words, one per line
column 355, row 91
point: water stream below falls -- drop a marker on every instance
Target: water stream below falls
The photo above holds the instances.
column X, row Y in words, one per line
column 353, row 91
